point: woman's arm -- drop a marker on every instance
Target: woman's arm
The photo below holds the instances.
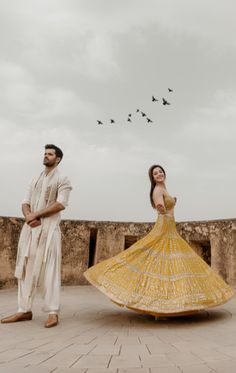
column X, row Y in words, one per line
column 159, row 200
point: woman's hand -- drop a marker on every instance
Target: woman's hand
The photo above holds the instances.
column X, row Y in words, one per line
column 161, row 209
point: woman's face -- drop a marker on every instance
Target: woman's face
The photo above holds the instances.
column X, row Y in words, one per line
column 158, row 175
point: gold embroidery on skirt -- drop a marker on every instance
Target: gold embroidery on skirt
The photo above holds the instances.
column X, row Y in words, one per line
column 160, row 274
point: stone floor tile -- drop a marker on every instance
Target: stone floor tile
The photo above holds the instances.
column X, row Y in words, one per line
column 64, row 360
column 53, row 347
column 80, row 349
column 150, row 340
column 161, row 348
column 13, row 354
column 99, row 370
column 89, row 361
column 158, row 360
column 12, row 367
column 134, row 370
column 229, row 351
column 134, row 350
column 35, row 358
column 69, row 370
column 127, row 340
column 186, row 346
column 182, row 358
column 125, row 361
column 207, row 354
column 106, row 339
column 17, row 368
column 198, row 368
column 35, row 369
column 105, row 350
column 226, row 366
column 84, row 339
column 168, row 369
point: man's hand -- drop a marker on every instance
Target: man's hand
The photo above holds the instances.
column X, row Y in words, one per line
column 30, row 217
column 44, row 213
column 34, row 223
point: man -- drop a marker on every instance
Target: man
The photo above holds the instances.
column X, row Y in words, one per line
column 39, row 250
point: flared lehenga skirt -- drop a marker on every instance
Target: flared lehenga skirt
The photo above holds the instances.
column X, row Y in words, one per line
column 160, row 275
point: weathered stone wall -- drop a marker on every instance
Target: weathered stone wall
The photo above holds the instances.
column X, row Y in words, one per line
column 9, row 234
column 85, row 243
column 220, row 237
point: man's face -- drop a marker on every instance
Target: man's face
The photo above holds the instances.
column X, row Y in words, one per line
column 50, row 158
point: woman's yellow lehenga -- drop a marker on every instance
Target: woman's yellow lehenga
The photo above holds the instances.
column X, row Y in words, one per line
column 160, row 274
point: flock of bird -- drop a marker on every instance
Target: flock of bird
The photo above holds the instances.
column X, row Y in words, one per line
column 144, row 115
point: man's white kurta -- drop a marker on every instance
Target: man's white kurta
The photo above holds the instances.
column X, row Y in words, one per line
column 39, row 250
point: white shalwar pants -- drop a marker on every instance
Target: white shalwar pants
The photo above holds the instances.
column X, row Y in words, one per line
column 50, row 282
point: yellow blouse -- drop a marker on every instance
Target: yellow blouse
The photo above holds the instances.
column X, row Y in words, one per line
column 169, row 201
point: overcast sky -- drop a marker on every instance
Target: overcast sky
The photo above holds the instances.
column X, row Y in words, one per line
column 65, row 64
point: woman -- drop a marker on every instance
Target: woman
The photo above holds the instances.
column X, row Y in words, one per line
column 160, row 274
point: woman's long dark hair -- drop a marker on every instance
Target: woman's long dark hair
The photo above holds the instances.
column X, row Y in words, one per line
column 153, row 183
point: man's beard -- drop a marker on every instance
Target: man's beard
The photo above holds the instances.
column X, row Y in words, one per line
column 48, row 163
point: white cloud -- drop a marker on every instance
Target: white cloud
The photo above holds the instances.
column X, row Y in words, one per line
column 99, row 62
column 66, row 64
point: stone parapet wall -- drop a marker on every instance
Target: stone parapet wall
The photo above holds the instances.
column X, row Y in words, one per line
column 85, row 243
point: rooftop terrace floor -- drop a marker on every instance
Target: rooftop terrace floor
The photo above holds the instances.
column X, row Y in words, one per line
column 96, row 336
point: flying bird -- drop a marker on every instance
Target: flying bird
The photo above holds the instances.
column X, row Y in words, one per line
column 137, row 110
column 165, row 102
column 129, row 115
column 170, row 90
column 149, row 120
column 99, row 122
column 143, row 114
column 129, row 120
column 154, row 99
column 112, row 121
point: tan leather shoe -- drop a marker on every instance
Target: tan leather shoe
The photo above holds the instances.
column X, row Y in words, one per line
column 51, row 321
column 20, row 316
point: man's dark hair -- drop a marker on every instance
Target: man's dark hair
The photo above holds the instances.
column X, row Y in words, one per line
column 58, row 151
